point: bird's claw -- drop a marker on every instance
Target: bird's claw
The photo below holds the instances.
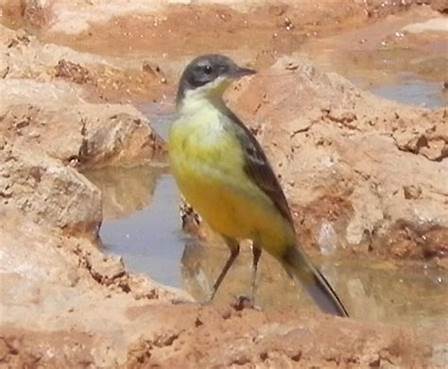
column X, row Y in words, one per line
column 244, row 302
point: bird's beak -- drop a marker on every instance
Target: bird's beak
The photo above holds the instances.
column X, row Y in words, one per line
column 241, row 72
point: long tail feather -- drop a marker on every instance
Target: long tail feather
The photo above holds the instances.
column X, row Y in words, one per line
column 301, row 269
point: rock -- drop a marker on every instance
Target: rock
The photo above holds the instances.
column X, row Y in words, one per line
column 104, row 78
column 111, row 328
column 95, row 135
column 412, row 192
column 48, row 192
column 269, row 343
column 72, row 71
column 105, row 269
column 80, row 311
column 36, row 13
column 36, row 91
column 357, row 150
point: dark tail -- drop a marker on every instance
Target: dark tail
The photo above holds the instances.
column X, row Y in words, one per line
column 300, row 268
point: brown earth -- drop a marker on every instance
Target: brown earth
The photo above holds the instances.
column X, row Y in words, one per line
column 102, row 78
column 374, row 171
column 209, row 337
column 93, row 134
column 85, row 311
column 386, row 50
column 158, row 37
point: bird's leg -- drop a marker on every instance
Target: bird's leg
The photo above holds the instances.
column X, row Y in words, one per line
column 256, row 253
column 234, row 247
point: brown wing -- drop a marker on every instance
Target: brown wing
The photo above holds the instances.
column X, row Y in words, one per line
column 258, row 168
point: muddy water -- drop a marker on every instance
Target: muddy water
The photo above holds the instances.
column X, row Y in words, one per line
column 142, row 225
column 414, row 92
column 386, row 77
column 141, row 222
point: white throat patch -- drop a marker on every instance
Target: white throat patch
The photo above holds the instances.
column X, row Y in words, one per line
column 210, row 92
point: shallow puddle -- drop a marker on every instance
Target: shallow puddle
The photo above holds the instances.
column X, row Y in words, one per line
column 141, row 220
column 413, row 91
column 142, row 225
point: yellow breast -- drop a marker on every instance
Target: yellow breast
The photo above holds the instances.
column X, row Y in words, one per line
column 208, row 164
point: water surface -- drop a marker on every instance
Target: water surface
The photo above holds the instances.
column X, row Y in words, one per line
column 142, row 224
column 416, row 92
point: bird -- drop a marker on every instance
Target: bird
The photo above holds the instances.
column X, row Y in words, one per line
column 224, row 174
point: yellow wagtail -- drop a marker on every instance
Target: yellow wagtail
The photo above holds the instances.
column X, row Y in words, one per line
column 224, row 174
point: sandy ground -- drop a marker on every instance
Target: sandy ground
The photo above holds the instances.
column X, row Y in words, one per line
column 375, row 173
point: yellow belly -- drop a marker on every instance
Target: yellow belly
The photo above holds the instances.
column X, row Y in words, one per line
column 208, row 165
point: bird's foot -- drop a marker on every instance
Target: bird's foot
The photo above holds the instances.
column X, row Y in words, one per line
column 244, row 302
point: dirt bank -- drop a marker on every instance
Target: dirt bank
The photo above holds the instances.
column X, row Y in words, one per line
column 100, row 78
column 159, row 37
column 116, row 331
column 372, row 169
column 411, row 43
column 61, row 294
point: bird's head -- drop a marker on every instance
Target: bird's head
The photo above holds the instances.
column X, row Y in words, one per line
column 208, row 76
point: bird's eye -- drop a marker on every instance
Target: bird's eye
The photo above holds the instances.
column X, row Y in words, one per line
column 207, row 69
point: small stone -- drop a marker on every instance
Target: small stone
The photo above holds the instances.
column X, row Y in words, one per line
column 412, row 192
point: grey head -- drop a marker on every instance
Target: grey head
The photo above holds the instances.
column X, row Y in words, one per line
column 206, row 69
